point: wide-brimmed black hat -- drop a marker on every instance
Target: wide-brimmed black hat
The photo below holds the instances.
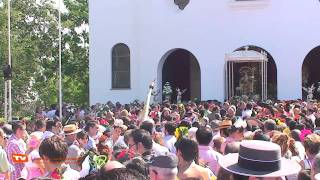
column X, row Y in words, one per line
column 259, row 159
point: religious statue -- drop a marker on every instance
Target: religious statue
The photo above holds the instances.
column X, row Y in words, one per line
column 246, row 83
column 167, row 91
column 179, row 95
column 155, row 94
column 310, row 91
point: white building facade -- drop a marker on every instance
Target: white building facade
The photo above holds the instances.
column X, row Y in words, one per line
column 133, row 42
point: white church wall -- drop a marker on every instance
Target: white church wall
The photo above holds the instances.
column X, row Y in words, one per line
column 287, row 29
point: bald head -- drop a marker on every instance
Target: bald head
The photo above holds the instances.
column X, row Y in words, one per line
column 113, row 165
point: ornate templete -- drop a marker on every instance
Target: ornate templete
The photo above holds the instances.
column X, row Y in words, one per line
column 181, row 3
column 246, row 83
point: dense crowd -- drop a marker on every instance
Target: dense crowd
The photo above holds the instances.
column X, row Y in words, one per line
column 234, row 140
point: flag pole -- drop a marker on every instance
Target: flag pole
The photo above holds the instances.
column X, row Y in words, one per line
column 9, row 62
column 60, row 72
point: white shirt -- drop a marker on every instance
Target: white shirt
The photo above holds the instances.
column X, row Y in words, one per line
column 169, row 141
column 301, row 150
column 47, row 134
column 51, row 114
column 85, row 169
column 71, row 174
column 158, row 149
column 312, row 118
column 246, row 114
column 120, row 140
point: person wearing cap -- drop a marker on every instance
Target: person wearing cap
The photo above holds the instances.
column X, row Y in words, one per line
column 224, row 127
column 214, row 124
column 70, row 132
column 257, row 160
column 164, row 167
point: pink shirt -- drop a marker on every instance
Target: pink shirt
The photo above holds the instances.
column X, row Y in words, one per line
column 210, row 157
column 15, row 146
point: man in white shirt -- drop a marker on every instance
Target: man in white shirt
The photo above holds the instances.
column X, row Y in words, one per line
column 169, row 138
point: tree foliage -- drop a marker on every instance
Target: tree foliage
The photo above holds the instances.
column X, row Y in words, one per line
column 35, row 52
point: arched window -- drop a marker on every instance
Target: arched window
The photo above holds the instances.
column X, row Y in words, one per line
column 120, row 66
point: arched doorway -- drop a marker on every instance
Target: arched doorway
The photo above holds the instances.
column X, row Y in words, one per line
column 181, row 69
column 271, row 70
column 311, row 73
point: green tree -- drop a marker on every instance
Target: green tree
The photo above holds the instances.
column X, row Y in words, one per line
column 35, row 52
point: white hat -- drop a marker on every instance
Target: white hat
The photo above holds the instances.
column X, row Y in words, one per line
column 118, row 122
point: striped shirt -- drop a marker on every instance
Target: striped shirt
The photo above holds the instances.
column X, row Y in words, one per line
column 15, row 146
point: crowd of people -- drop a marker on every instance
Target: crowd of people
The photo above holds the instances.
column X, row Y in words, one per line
column 232, row 140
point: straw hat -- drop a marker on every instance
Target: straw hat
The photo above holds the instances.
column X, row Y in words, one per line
column 119, row 123
column 71, row 129
column 225, row 124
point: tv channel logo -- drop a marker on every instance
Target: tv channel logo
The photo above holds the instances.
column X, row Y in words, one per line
column 19, row 158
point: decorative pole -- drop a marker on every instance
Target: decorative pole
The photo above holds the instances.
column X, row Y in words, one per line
column 60, row 72
column 9, row 63
column 146, row 108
